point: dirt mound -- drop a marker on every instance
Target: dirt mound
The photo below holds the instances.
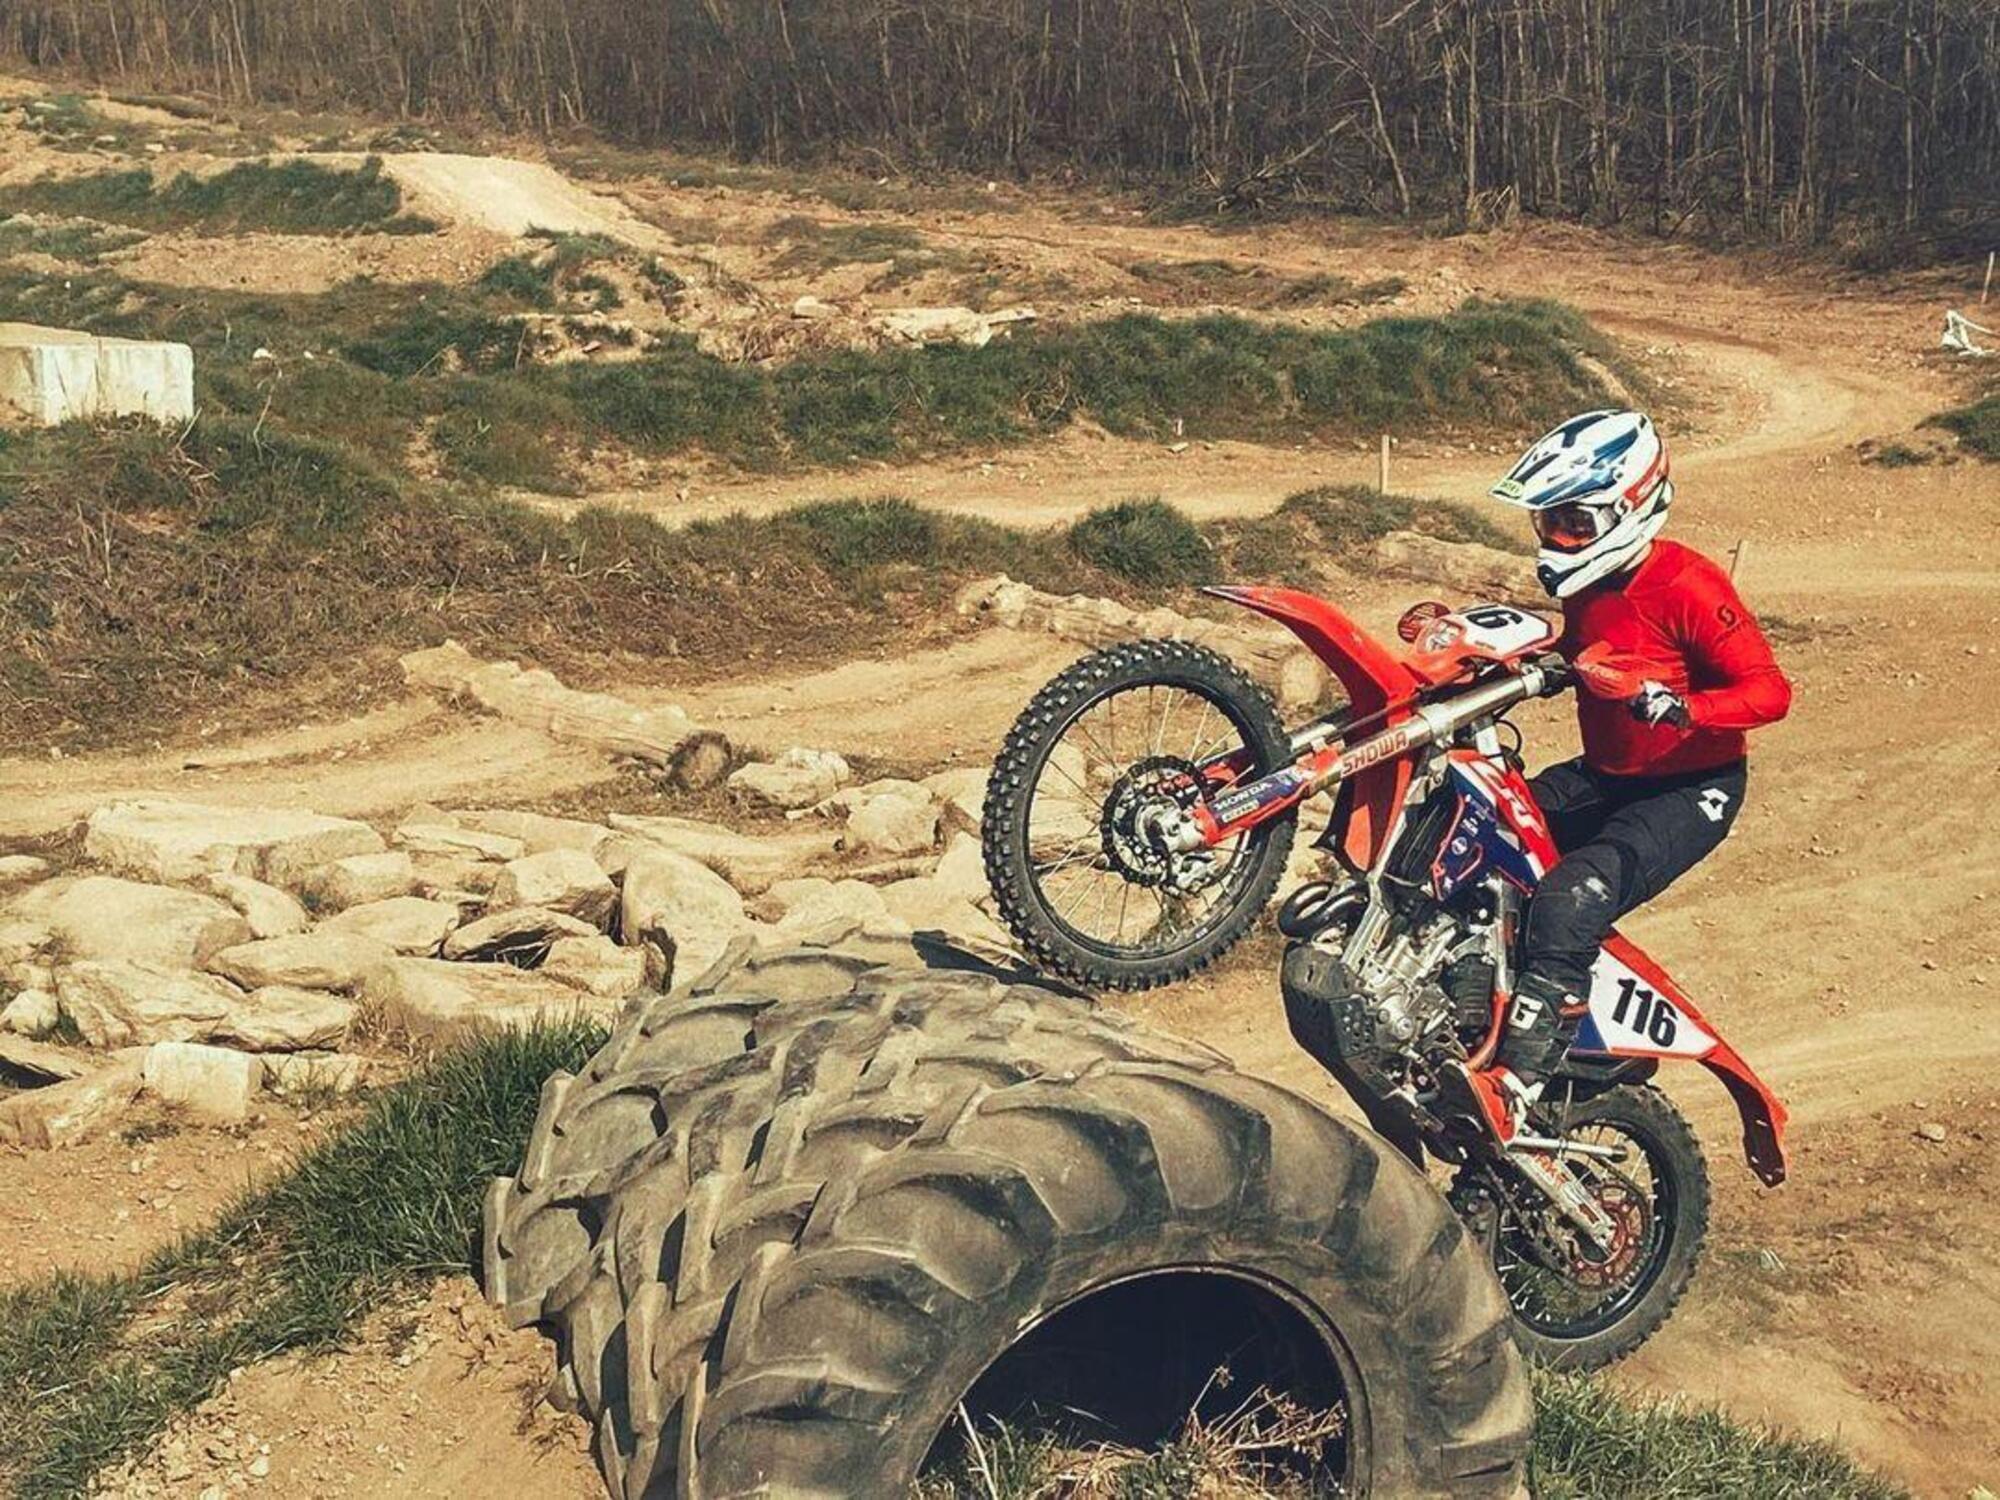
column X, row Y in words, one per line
column 432, row 1400
column 514, row 197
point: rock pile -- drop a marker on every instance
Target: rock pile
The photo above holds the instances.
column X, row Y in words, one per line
column 200, row 955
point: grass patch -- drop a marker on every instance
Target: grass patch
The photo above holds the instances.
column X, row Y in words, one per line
column 558, row 275
column 1340, row 524
column 93, row 1367
column 462, row 353
column 1489, row 364
column 1591, row 1443
column 77, row 240
column 292, row 197
column 1894, row 455
column 1976, row 425
column 1239, row 285
column 1594, row 1444
column 814, row 248
column 65, row 120
column 1144, row 541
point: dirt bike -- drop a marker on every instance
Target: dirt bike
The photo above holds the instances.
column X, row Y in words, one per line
column 1140, row 816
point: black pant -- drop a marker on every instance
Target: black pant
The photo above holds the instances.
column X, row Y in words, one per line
column 1623, row 839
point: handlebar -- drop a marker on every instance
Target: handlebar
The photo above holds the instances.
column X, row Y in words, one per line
column 1558, row 676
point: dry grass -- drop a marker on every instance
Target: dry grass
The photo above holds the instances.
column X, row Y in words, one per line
column 1265, row 1445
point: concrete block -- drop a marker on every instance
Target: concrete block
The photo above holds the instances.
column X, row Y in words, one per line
column 56, row 375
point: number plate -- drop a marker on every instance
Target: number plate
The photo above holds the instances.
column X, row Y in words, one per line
column 1628, row 1015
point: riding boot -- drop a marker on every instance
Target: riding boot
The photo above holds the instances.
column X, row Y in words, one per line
column 1542, row 1022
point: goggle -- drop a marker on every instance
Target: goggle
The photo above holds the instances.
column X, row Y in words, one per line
column 1568, row 527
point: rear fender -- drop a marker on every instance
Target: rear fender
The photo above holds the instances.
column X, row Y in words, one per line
column 1637, row 1011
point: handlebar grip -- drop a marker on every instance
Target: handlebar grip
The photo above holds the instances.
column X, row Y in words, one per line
column 1559, row 676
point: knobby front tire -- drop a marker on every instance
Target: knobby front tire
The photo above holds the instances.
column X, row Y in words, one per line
column 1005, row 836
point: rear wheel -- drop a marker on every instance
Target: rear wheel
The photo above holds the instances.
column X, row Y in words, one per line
column 1577, row 1305
column 1123, row 738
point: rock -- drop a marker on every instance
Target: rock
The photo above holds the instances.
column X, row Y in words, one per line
column 20, row 869
column 445, row 877
column 279, row 1018
column 681, row 900
column 104, row 917
column 37, row 1064
column 31, row 1013
column 459, row 843
column 564, row 880
column 929, row 906
column 289, row 1074
column 319, row 960
column 428, row 997
column 29, row 974
column 211, row 1083
column 962, row 794
column 521, row 935
column 1464, row 567
column 813, row 309
column 596, row 965
column 751, row 864
column 662, row 736
column 843, row 802
column 183, row 840
column 117, row 1003
column 798, row 778
column 358, row 879
column 1933, row 1132
column 962, row 871
column 408, row 924
column 269, row 911
column 814, row 905
column 950, row 325
column 537, row 832
column 893, row 823
column 67, row 1113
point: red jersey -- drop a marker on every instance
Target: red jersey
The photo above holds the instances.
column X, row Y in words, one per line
column 1678, row 609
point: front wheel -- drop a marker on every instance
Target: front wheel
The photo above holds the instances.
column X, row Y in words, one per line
column 1121, row 739
column 1578, row 1305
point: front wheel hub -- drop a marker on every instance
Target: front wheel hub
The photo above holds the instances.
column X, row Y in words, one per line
column 1152, row 797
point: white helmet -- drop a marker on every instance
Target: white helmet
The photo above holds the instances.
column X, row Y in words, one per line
column 1598, row 491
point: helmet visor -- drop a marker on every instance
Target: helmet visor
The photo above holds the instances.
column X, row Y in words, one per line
column 1568, row 528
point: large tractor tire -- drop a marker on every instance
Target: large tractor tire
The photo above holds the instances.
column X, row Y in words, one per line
column 796, row 1221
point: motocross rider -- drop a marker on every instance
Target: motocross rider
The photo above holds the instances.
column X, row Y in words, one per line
column 1661, row 777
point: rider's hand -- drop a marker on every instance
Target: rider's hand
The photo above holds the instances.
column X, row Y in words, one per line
column 1656, row 703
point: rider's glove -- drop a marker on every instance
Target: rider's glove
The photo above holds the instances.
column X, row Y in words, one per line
column 1657, row 703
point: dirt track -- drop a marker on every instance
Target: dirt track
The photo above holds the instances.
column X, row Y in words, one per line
column 1844, row 939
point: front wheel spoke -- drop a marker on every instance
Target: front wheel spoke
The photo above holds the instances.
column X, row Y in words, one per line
column 1080, row 889
column 1104, row 901
column 1194, row 744
column 1082, row 850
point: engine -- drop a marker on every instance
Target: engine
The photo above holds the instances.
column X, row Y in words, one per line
column 1381, row 990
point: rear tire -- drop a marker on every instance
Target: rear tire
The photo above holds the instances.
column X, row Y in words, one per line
column 811, row 1253
column 1010, row 790
column 1645, row 1115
